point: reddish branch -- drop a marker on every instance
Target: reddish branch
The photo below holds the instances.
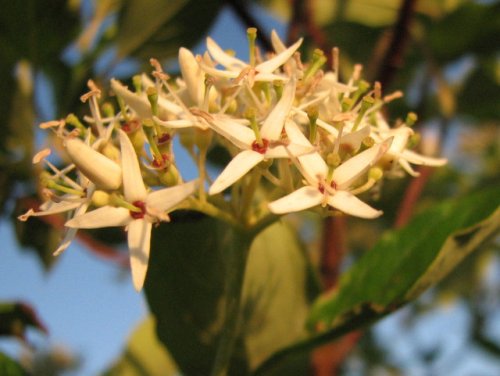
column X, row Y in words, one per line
column 302, row 22
column 328, row 359
column 393, row 57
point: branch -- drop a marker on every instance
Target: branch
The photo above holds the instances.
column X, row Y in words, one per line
column 393, row 57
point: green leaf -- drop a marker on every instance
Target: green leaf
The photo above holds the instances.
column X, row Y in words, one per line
column 481, row 92
column 9, row 367
column 276, row 301
column 157, row 28
column 144, row 354
column 479, row 28
column 185, row 290
column 403, row 264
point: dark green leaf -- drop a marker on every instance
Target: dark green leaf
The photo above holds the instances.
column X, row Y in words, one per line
column 16, row 317
column 471, row 28
column 9, row 367
column 481, row 93
column 185, row 286
column 185, row 291
column 402, row 264
column 157, row 28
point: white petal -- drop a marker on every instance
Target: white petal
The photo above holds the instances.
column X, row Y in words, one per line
column 137, row 102
column 271, row 65
column 164, row 199
column 192, row 75
column 354, row 167
column 239, row 166
column 301, row 199
column 277, row 43
column 177, row 124
column 350, row 204
column 133, row 186
column 223, row 58
column 217, row 72
column 288, row 151
column 106, row 216
column 139, row 238
column 273, row 125
column 407, row 167
column 354, row 139
column 420, row 159
column 49, row 208
column 238, row 134
column 66, row 242
column 99, row 169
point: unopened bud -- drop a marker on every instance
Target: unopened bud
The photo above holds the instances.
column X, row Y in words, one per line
column 375, row 173
column 100, row 170
column 100, row 198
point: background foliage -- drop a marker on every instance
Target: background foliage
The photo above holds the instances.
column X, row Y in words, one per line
column 441, row 53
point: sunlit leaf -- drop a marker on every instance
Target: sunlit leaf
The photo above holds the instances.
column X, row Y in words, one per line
column 157, row 28
column 9, row 367
column 144, row 354
column 402, row 265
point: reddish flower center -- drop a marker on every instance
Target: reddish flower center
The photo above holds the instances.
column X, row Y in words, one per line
column 138, row 215
column 163, row 138
column 160, row 163
column 130, row 126
column 322, row 188
column 260, row 148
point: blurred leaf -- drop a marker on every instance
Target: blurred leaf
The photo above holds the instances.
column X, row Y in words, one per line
column 185, row 286
column 471, row 28
column 481, row 92
column 36, row 30
column 16, row 317
column 157, row 28
column 9, row 367
column 37, row 235
column 403, row 264
column 144, row 354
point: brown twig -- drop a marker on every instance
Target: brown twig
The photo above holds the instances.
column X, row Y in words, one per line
column 302, row 22
column 393, row 57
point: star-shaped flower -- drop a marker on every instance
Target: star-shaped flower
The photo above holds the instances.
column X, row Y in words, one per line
column 236, row 68
column 146, row 208
column 256, row 150
column 334, row 191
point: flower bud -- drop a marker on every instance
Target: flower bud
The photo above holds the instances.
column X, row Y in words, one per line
column 99, row 169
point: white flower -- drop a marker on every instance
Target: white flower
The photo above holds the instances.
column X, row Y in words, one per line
column 254, row 152
column 236, row 67
column 150, row 208
column 334, row 192
column 403, row 156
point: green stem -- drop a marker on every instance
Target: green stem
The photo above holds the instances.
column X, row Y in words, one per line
column 237, row 247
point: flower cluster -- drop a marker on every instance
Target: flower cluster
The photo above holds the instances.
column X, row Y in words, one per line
column 296, row 138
